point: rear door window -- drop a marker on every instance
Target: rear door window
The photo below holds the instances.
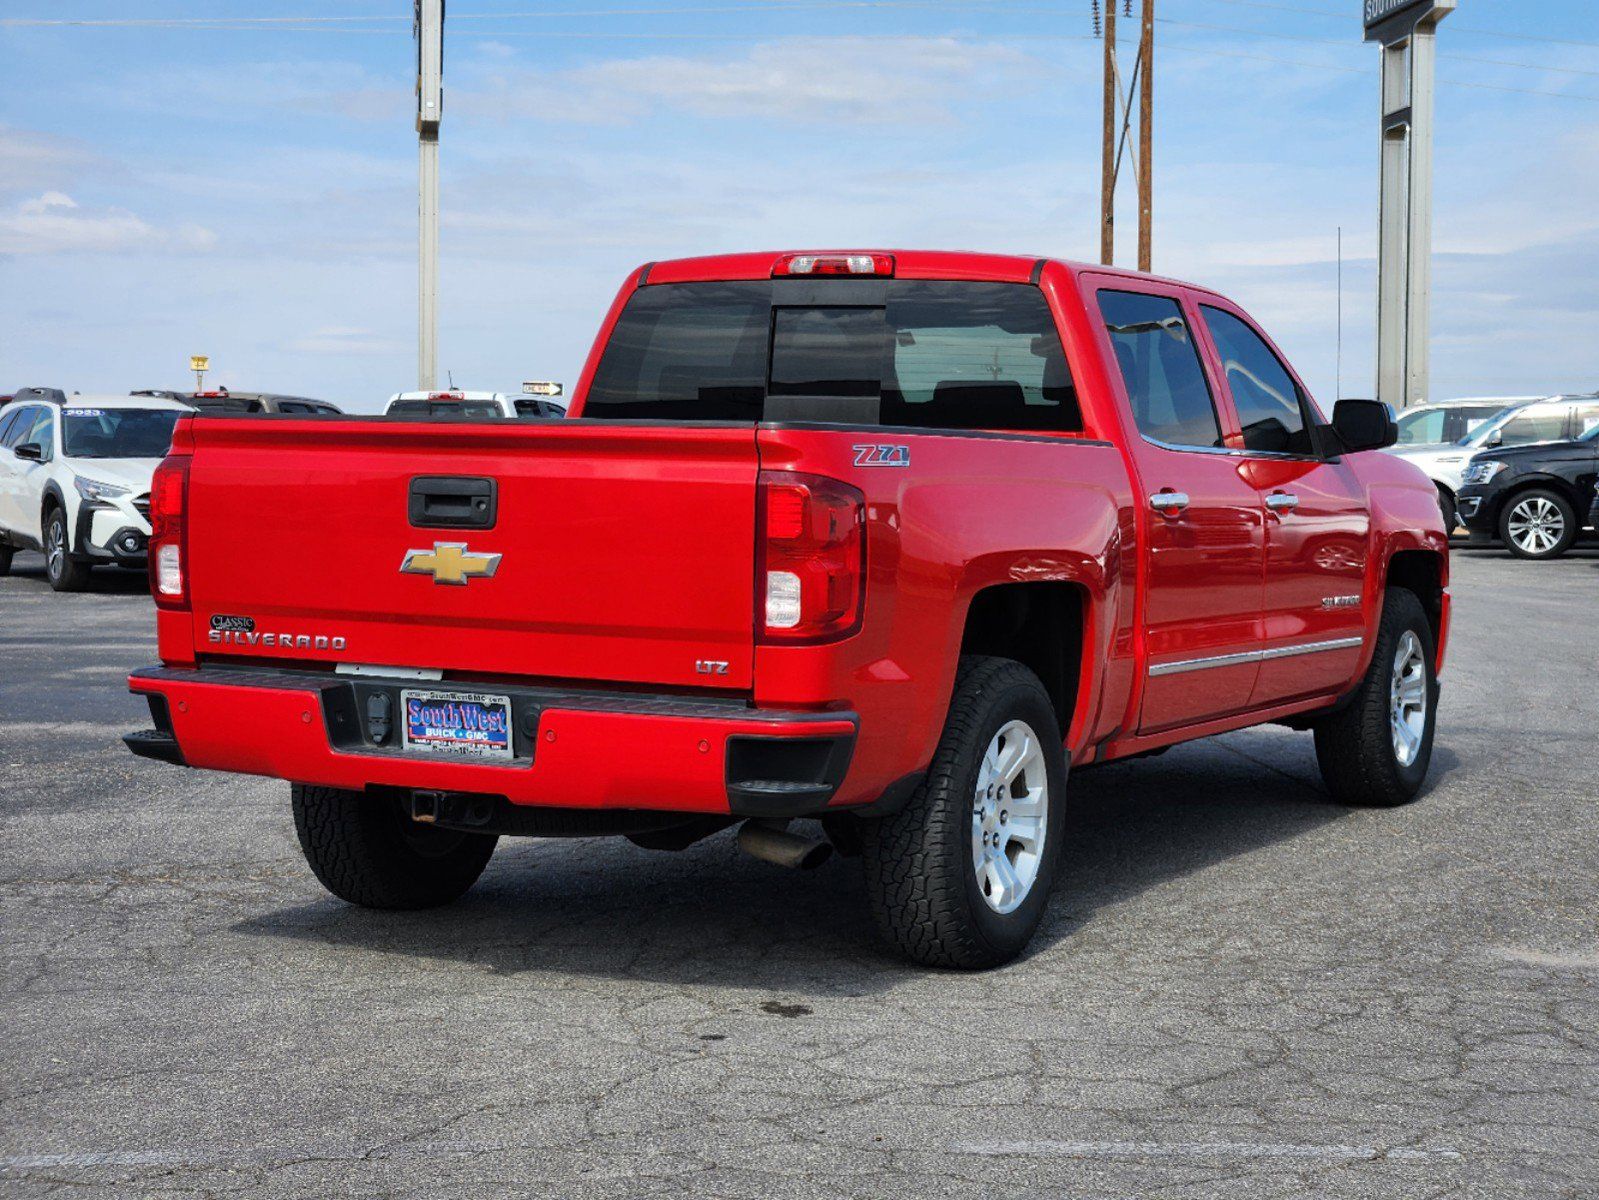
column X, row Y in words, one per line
column 1270, row 405
column 909, row 353
column 1541, row 423
column 1160, row 365
column 1424, row 428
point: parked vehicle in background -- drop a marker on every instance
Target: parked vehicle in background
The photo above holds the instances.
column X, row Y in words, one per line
column 461, row 405
column 75, row 480
column 1535, row 499
column 1548, row 420
column 1446, row 422
column 222, row 400
column 888, row 540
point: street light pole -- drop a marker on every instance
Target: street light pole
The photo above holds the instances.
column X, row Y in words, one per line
column 429, row 112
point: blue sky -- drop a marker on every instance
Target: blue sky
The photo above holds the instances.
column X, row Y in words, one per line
column 246, row 188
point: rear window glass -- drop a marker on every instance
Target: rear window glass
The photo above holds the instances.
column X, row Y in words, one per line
column 460, row 410
column 933, row 354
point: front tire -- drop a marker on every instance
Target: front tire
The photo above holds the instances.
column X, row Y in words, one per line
column 1538, row 524
column 960, row 876
column 1375, row 751
column 1450, row 510
column 64, row 573
column 368, row 851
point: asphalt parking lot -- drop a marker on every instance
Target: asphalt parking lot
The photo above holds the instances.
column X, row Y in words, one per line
column 1241, row 992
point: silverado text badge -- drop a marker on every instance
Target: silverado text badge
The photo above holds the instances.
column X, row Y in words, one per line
column 449, row 562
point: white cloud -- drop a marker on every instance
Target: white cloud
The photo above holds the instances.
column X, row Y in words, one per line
column 864, row 81
column 342, row 340
column 55, row 223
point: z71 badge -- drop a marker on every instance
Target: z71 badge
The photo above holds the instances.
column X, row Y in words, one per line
column 882, row 456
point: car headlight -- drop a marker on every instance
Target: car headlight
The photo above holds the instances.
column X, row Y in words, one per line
column 1482, row 472
column 97, row 489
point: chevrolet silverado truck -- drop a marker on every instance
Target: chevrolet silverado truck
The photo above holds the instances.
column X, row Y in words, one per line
column 891, row 541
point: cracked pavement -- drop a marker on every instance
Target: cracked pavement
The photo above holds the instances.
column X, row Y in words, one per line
column 1241, row 991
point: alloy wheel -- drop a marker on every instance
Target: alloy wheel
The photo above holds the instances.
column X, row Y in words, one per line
column 1010, row 817
column 1536, row 525
column 1407, row 697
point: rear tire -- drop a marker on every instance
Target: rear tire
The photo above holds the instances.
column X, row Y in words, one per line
column 1375, row 751
column 1538, row 524
column 1450, row 510
column 64, row 573
column 367, row 850
column 939, row 890
column 6, row 555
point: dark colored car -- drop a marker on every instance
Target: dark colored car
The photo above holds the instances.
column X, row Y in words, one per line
column 1535, row 499
column 224, row 401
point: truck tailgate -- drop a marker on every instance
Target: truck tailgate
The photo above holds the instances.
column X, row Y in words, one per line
column 627, row 553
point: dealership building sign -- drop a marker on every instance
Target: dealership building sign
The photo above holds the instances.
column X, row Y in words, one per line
column 1391, row 20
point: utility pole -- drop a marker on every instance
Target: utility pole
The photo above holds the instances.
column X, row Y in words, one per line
column 1107, row 184
column 429, row 30
column 1117, row 133
column 1408, row 33
column 1146, row 142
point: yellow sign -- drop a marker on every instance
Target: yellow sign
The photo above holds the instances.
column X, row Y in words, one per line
column 199, row 362
column 449, row 562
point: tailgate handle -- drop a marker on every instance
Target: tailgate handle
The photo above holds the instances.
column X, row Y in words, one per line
column 453, row 502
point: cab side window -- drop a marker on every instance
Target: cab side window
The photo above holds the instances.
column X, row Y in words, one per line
column 1271, row 408
column 1160, row 366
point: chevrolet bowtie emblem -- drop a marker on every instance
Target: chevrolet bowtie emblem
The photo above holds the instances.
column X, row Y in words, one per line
column 449, row 562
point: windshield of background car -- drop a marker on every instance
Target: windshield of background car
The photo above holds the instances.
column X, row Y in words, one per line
column 908, row 353
column 117, row 432
column 1484, row 431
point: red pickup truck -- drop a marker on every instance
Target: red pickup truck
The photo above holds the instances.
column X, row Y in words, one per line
column 891, row 540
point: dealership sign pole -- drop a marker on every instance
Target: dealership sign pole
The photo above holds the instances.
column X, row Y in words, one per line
column 429, row 111
column 1408, row 32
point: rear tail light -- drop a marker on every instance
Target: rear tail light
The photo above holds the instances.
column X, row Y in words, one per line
column 834, row 264
column 812, row 570
column 169, row 541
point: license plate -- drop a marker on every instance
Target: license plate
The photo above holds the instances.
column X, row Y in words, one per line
column 465, row 724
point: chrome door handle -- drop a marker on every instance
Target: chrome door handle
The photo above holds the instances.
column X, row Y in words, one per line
column 1169, row 503
column 1280, row 502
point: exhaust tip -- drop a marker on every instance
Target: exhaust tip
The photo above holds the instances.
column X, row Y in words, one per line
column 772, row 842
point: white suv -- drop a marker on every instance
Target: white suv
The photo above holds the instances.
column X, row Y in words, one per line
column 75, row 479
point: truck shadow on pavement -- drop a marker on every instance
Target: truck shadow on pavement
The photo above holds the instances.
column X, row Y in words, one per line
column 709, row 916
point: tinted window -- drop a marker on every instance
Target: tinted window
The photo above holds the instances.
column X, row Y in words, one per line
column 43, row 431
column 459, row 410
column 946, row 355
column 1467, row 419
column 1271, row 409
column 690, row 352
column 21, row 422
column 1160, row 366
column 1423, row 428
column 118, row 432
column 977, row 356
column 1537, row 424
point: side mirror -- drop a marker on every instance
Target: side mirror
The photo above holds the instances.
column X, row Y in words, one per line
column 1496, row 438
column 31, row 451
column 1364, row 425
